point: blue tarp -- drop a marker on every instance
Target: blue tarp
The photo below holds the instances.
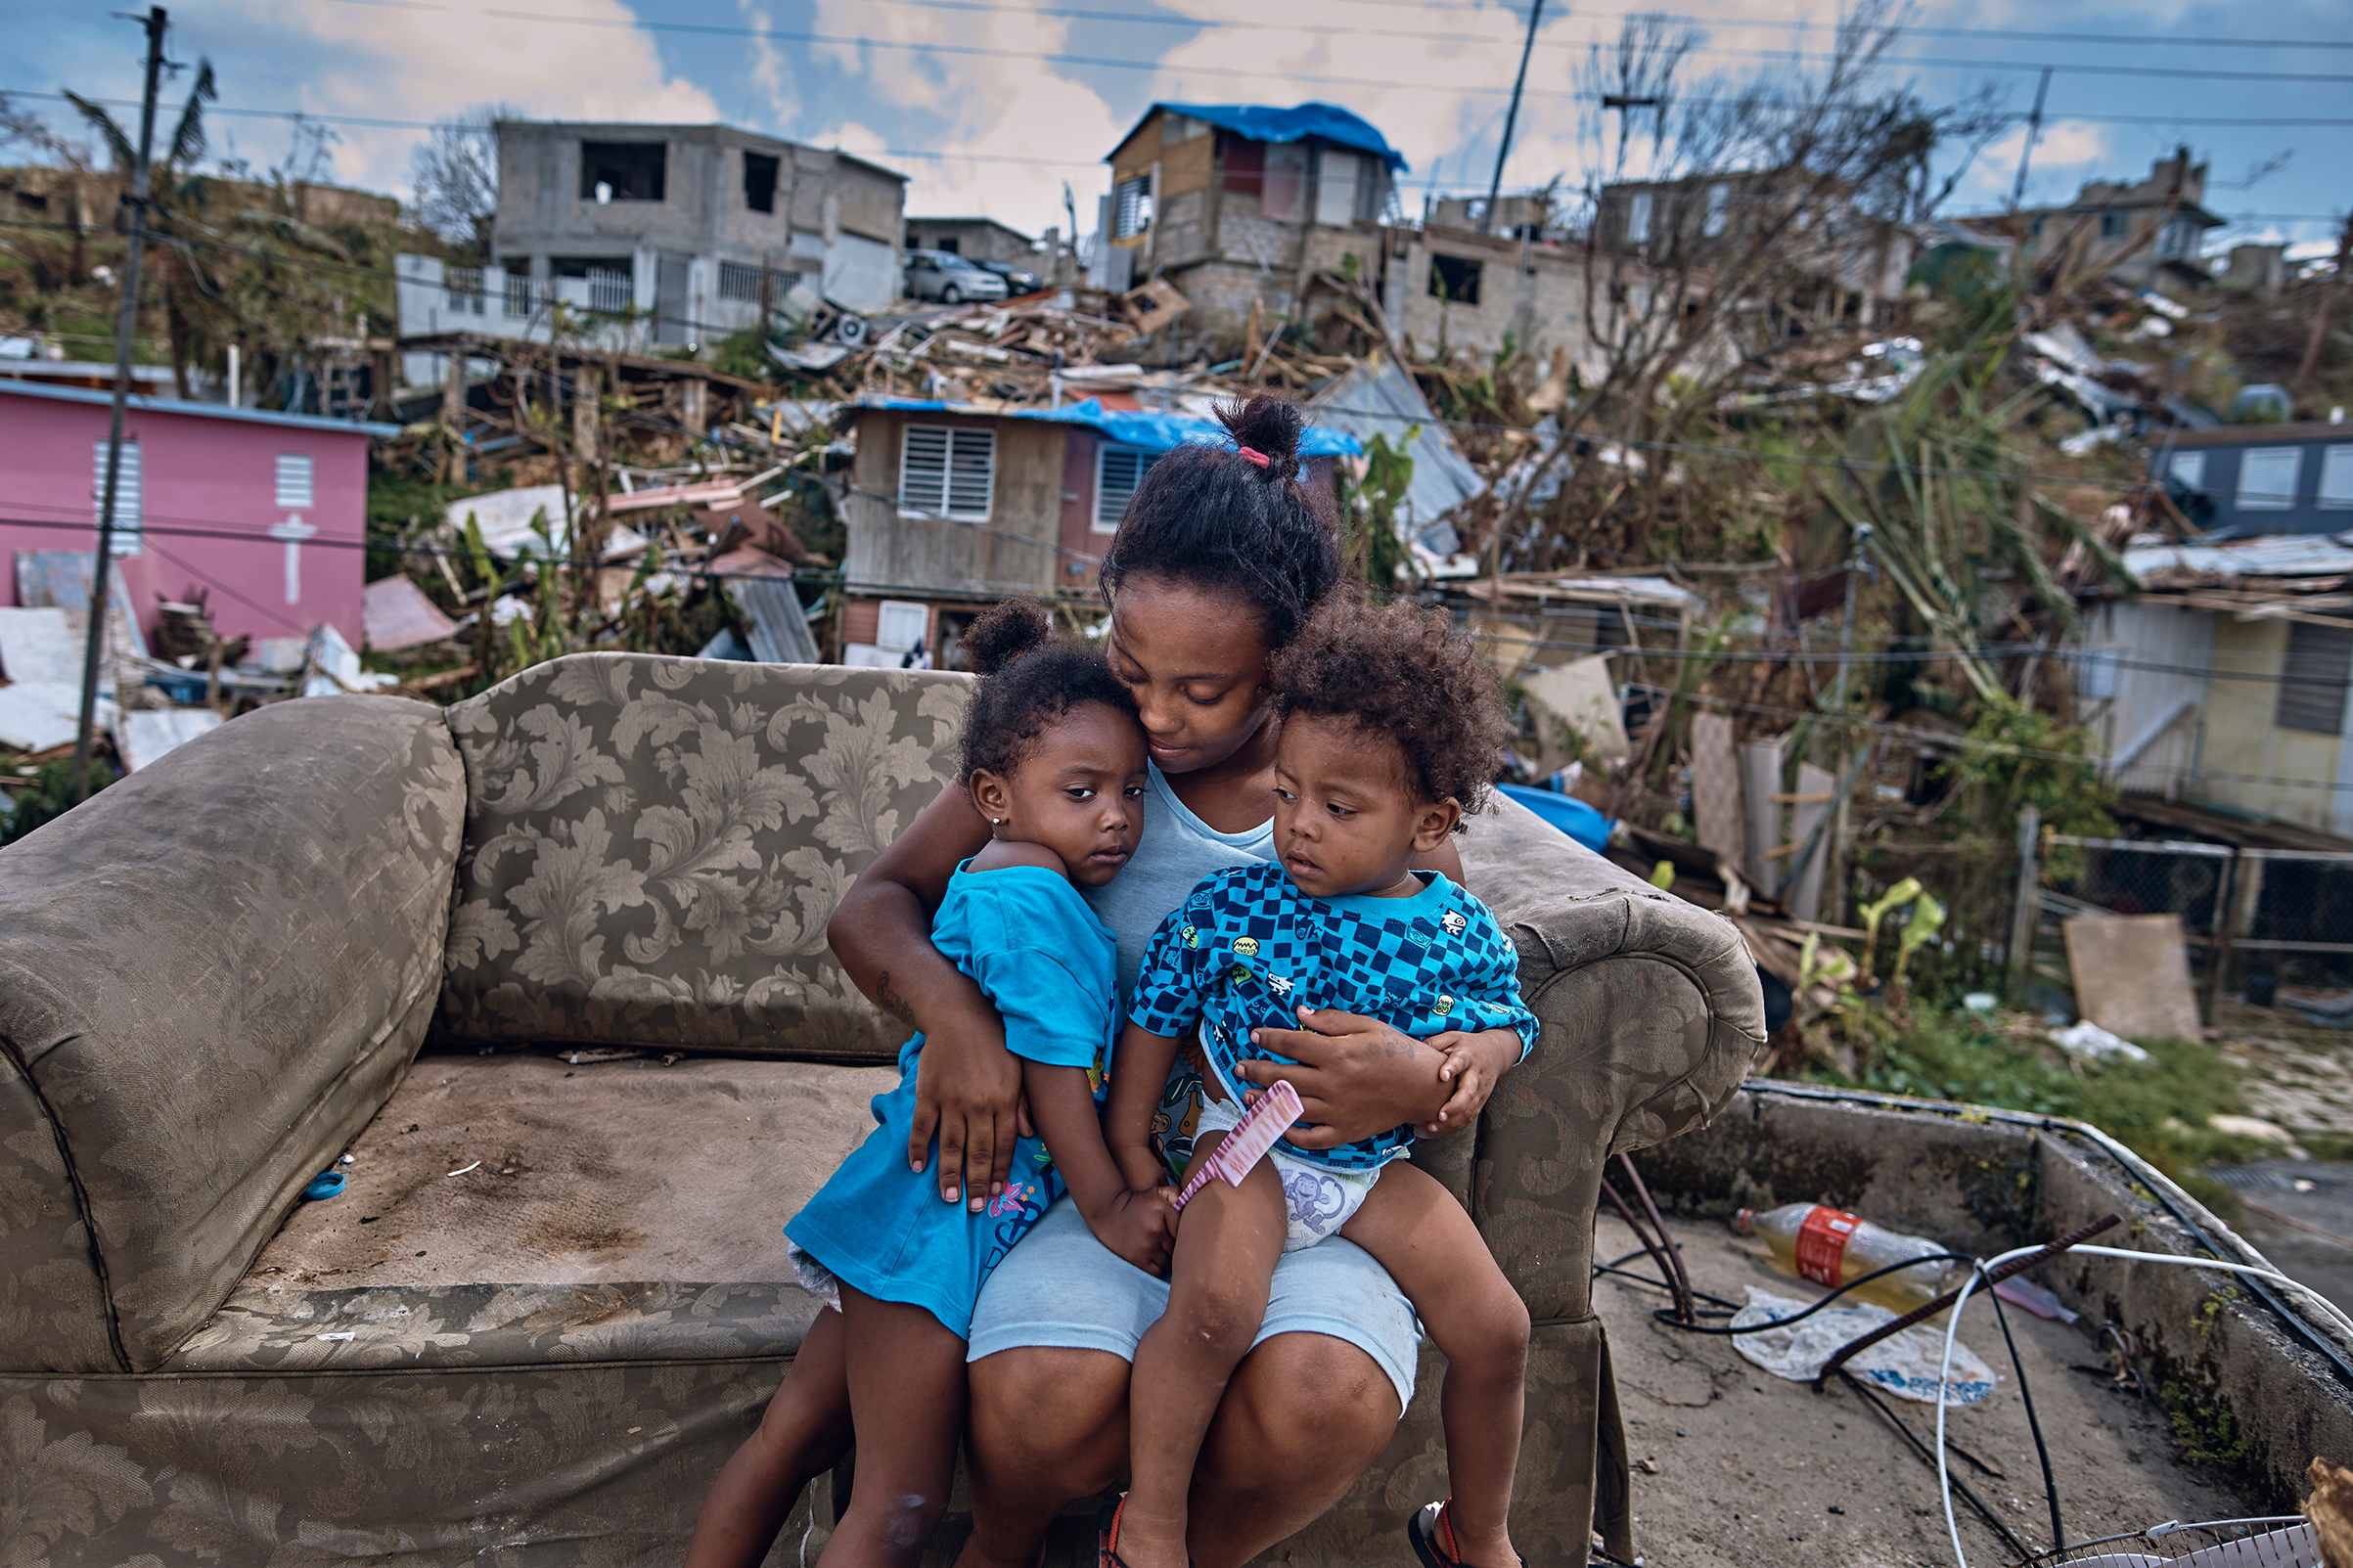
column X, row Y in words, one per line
column 1151, row 432
column 1264, row 123
column 1573, row 817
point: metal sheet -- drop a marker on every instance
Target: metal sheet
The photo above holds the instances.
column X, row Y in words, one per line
column 1376, row 398
column 395, row 613
column 773, row 621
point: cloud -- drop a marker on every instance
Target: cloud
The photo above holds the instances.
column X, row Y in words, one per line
column 2067, row 146
column 371, row 62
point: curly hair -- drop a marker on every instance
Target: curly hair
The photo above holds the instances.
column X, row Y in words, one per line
column 1216, row 519
column 1405, row 673
column 1029, row 679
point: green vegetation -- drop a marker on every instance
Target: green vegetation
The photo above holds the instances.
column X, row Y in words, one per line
column 2155, row 1108
column 47, row 793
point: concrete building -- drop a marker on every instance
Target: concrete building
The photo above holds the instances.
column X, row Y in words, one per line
column 1234, row 203
column 975, row 240
column 1850, row 265
column 1450, row 290
column 673, row 235
column 267, row 510
column 2148, row 234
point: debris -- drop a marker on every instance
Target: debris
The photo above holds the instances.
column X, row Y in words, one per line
column 142, row 736
column 2132, row 974
column 324, row 1185
column 335, row 666
column 510, row 521
column 395, row 613
column 1902, row 1365
column 2088, row 1039
column 2255, row 1127
column 1573, row 817
column 38, row 646
column 38, row 715
column 460, row 1171
column 2022, row 1292
column 775, row 623
column 1579, row 698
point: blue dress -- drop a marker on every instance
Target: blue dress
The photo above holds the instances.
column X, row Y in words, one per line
column 1248, row 946
column 1039, row 953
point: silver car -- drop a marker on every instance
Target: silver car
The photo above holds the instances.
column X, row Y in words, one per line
column 949, row 279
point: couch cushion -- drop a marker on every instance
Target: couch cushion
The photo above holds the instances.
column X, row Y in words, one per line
column 211, row 974
column 653, row 846
column 605, row 1208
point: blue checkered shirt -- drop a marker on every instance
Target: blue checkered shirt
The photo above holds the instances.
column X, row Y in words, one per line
column 1247, row 949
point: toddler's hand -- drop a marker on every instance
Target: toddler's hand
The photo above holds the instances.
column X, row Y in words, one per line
column 1472, row 1084
column 1140, row 1225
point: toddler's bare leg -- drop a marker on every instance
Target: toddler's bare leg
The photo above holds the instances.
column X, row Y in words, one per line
column 803, row 1434
column 1226, row 1248
column 907, row 1389
column 1415, row 1229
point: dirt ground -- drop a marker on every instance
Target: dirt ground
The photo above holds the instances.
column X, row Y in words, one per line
column 1735, row 1467
column 2299, row 1212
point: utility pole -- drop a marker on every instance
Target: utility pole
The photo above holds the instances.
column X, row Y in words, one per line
column 126, row 328
column 1486, row 222
column 2034, row 131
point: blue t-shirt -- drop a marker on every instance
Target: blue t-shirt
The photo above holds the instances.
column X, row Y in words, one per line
column 1029, row 941
column 1247, row 949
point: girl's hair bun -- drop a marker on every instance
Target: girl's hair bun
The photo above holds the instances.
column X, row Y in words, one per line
column 1005, row 632
column 1271, row 428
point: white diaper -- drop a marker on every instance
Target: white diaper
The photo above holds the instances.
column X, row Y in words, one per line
column 1318, row 1200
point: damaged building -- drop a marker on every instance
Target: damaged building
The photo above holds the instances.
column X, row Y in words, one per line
column 678, row 235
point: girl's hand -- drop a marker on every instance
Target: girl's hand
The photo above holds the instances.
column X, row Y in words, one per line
column 1140, row 1225
column 968, row 1089
column 1139, row 1170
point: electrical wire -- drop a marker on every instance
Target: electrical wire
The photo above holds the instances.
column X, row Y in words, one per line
column 2034, row 1424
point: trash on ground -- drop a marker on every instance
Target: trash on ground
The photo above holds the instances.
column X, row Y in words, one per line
column 1832, row 1247
column 2087, row 1038
column 2024, row 1293
column 324, row 1185
column 1902, row 1365
column 2132, row 974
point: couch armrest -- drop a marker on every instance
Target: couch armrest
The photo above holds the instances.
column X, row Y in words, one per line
column 1651, row 1013
column 212, row 975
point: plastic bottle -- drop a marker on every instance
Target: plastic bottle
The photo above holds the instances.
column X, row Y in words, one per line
column 1831, row 1247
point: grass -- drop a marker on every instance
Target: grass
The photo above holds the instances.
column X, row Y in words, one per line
column 2158, row 1108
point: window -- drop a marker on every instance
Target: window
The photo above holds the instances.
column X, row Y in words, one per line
column 1455, row 278
column 463, row 288
column 632, row 170
column 947, row 473
column 738, row 281
column 948, row 246
column 293, row 491
column 1119, row 470
column 1131, row 206
column 1335, row 189
column 518, row 300
column 2114, row 225
column 1719, row 210
column 1637, row 218
column 760, row 182
column 2178, row 238
column 1283, row 195
column 611, row 290
column 126, row 495
column 900, row 624
column 2266, row 479
column 2190, row 468
column 2336, row 477
column 2312, row 678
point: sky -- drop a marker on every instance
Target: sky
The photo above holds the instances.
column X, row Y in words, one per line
column 990, row 106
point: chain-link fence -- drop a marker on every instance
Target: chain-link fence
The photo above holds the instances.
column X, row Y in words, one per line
column 2273, row 927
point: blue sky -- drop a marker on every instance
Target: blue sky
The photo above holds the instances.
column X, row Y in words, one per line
column 1023, row 96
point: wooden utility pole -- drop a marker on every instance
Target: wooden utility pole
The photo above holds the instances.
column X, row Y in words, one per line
column 1486, row 222
column 127, row 330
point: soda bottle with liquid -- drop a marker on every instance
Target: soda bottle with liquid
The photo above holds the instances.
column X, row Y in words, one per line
column 1831, row 1247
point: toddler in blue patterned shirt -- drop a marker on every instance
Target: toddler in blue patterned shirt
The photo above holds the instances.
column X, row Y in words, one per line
column 1391, row 732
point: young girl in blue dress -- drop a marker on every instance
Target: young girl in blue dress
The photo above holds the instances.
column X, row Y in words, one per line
column 1054, row 760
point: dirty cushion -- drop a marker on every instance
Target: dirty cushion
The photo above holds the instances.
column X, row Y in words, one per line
column 212, row 973
column 653, row 846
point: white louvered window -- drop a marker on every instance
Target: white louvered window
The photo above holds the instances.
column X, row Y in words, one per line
column 2267, row 478
column 2336, row 477
column 1119, row 470
column 947, row 473
column 126, row 495
column 293, row 481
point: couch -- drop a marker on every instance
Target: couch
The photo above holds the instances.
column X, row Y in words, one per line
column 544, row 975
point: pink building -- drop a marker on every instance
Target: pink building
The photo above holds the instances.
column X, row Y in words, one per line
column 267, row 511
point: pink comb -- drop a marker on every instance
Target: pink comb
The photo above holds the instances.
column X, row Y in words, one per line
column 1266, row 1121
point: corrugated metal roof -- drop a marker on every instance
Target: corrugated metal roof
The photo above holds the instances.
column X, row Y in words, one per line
column 201, row 411
column 1377, row 398
column 2273, row 555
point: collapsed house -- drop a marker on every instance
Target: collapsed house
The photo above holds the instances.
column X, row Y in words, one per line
column 2145, row 233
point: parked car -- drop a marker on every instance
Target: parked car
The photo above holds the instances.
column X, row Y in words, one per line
column 949, row 279
column 1016, row 279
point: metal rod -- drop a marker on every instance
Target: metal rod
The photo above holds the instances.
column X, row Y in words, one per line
column 1686, row 1306
column 126, row 328
column 1486, row 222
column 1993, row 1276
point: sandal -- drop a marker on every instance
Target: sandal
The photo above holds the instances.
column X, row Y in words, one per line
column 1423, row 1531
column 1107, row 1535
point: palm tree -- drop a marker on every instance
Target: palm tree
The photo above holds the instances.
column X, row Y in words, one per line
column 172, row 186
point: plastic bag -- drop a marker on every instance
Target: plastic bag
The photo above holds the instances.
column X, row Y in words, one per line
column 1902, row 1365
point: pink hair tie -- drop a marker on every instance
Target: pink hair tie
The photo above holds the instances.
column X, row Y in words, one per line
column 1249, row 456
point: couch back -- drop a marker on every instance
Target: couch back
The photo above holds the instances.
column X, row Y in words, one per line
column 212, row 975
column 653, row 846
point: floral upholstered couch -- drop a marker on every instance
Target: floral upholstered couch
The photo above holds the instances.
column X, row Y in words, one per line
column 544, row 976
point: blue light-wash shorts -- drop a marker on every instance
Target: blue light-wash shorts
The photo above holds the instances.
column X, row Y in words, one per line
column 1062, row 1289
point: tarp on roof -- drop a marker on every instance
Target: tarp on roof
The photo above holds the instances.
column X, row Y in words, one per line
column 1149, row 432
column 1376, row 398
column 1262, row 123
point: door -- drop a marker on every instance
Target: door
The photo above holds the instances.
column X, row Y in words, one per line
column 670, row 304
